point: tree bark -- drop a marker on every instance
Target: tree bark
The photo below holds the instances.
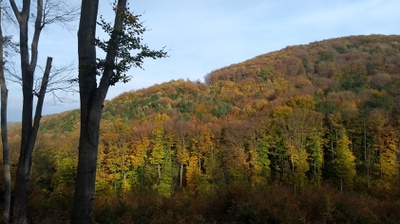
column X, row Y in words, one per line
column 30, row 126
column 29, row 132
column 4, row 132
column 23, row 169
column 92, row 99
column 88, row 141
column 25, row 159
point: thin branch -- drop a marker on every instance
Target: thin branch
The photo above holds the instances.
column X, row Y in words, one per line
column 36, row 36
column 7, row 14
column 60, row 12
column 60, row 81
column 12, row 73
column 15, row 10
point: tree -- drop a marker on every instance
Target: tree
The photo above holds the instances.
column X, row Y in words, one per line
column 30, row 126
column 193, row 174
column 114, row 152
column 161, row 156
column 373, row 116
column 181, row 132
column 343, row 162
column 315, row 144
column 4, row 131
column 125, row 36
column 387, row 146
column 297, row 124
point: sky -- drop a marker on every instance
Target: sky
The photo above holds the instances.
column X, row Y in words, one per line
column 204, row 35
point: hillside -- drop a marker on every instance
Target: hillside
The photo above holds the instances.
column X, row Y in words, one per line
column 358, row 64
column 280, row 125
column 333, row 59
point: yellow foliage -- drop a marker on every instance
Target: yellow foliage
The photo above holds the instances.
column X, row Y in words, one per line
column 300, row 158
column 389, row 167
column 282, row 112
column 193, row 173
column 162, row 117
column 344, row 161
column 303, row 102
column 139, row 155
column 281, row 83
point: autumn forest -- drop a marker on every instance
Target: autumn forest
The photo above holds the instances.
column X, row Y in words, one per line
column 306, row 134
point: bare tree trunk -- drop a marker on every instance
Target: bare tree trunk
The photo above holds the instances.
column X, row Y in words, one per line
column 6, row 152
column 92, row 96
column 6, row 155
column 30, row 126
column 23, row 171
column 25, row 158
column 181, row 175
column 367, row 155
column 4, row 132
column 88, row 141
column 29, row 131
column 86, row 174
column 92, row 99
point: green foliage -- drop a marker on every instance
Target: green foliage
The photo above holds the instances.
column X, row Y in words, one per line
column 262, row 162
column 315, row 147
column 326, row 107
column 221, row 109
column 124, row 42
column 325, row 56
column 344, row 161
column 354, row 82
column 380, row 101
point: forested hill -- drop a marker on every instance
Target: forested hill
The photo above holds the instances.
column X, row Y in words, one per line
column 326, row 113
column 358, row 67
column 332, row 59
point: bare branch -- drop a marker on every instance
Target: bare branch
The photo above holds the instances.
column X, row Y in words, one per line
column 36, row 36
column 7, row 14
column 13, row 75
column 60, row 12
column 15, row 9
column 59, row 83
column 60, row 80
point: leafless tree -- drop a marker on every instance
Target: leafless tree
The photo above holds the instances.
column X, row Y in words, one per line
column 45, row 14
column 61, row 83
column 4, row 130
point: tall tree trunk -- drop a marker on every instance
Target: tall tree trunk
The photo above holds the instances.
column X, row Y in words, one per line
column 367, row 155
column 92, row 96
column 29, row 132
column 23, row 169
column 4, row 132
column 92, row 99
column 25, row 158
column 88, row 141
column 181, row 175
column 86, row 173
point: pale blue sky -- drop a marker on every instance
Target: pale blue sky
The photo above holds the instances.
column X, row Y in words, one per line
column 204, row 35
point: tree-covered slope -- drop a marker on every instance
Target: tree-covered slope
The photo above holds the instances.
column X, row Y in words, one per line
column 293, row 108
column 333, row 59
column 322, row 114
